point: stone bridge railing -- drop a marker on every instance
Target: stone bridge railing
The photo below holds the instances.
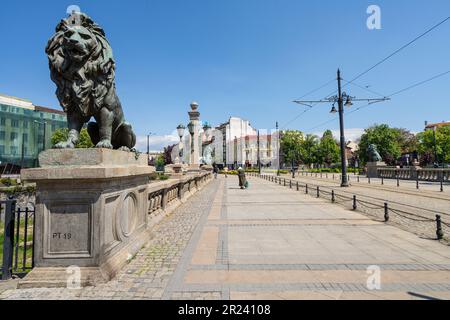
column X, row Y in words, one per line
column 165, row 196
column 432, row 175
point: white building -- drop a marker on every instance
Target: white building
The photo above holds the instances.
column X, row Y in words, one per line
column 234, row 144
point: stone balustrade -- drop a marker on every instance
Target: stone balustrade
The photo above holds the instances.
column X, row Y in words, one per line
column 165, row 196
column 432, row 175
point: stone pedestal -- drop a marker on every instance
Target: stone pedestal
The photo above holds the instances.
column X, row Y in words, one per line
column 175, row 169
column 372, row 168
column 91, row 212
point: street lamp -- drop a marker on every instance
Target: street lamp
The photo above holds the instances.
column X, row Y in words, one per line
column 207, row 129
column 181, row 129
column 339, row 99
column 148, row 146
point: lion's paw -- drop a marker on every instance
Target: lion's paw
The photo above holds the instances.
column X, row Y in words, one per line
column 65, row 145
column 104, row 144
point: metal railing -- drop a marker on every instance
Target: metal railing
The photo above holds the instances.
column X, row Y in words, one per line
column 402, row 215
column 17, row 240
column 424, row 177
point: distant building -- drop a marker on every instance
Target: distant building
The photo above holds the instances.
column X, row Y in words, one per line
column 26, row 130
column 432, row 126
column 235, row 144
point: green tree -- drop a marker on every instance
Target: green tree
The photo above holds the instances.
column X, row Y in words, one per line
column 385, row 138
column 426, row 145
column 309, row 151
column 61, row 135
column 407, row 140
column 291, row 143
column 328, row 152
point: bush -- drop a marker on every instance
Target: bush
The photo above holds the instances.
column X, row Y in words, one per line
column 8, row 182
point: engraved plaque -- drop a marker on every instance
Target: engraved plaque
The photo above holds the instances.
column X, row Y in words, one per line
column 69, row 229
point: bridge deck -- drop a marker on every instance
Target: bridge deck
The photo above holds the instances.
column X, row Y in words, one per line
column 269, row 242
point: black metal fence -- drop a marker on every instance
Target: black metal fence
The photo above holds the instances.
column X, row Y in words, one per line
column 418, row 180
column 421, row 221
column 16, row 239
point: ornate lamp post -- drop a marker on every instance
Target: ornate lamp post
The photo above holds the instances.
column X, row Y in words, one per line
column 181, row 129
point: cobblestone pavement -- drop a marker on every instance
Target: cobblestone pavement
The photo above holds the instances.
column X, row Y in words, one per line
column 269, row 242
column 147, row 275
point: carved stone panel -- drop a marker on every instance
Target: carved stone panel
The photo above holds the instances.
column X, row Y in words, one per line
column 68, row 230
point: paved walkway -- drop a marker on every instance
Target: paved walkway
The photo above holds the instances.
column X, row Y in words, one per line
column 270, row 242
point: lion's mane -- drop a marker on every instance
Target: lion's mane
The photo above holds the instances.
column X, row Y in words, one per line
column 81, row 88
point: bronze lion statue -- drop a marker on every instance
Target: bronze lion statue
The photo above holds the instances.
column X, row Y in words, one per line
column 83, row 68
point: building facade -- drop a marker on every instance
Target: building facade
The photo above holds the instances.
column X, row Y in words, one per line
column 26, row 130
column 232, row 144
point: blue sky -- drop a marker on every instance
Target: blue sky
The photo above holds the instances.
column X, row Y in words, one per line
column 247, row 58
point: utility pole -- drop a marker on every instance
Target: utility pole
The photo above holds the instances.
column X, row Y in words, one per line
column 436, row 160
column 344, row 182
column 339, row 99
column 259, row 156
column 278, row 150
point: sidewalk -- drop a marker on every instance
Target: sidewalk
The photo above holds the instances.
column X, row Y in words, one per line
column 269, row 242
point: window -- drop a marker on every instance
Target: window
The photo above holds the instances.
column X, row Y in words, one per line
column 41, row 114
column 25, row 138
column 2, row 135
column 2, row 121
column 53, row 116
column 25, row 151
column 40, row 139
column 14, row 150
column 53, row 127
column 2, row 149
column 14, row 135
column 25, row 124
column 14, row 123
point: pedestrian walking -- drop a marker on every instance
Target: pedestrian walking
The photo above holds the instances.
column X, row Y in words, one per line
column 242, row 179
column 225, row 170
column 216, row 171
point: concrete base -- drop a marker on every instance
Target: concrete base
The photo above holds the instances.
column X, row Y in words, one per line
column 372, row 168
column 91, row 212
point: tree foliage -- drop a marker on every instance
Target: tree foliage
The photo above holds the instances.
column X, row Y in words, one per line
column 291, row 144
column 328, row 152
column 387, row 141
column 427, row 143
column 61, row 135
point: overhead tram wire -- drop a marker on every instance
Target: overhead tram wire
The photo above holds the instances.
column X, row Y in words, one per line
column 310, row 107
column 374, row 66
column 391, row 95
column 400, row 49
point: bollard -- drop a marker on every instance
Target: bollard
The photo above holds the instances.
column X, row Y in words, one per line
column 333, row 176
column 8, row 242
column 442, row 183
column 306, row 189
column 417, row 182
column 321, row 175
column 358, row 179
column 386, row 212
column 354, row 203
column 297, row 186
column 439, row 232
column 284, row 182
column 398, row 182
column 368, row 178
column 382, row 181
column 290, row 184
column 333, row 199
column 318, row 192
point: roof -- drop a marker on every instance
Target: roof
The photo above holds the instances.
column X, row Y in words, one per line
column 49, row 110
column 437, row 125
